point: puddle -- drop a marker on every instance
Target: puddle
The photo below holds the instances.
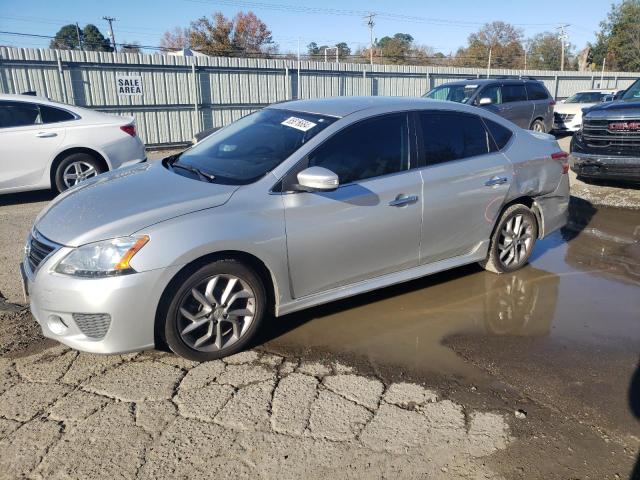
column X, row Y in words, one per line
column 582, row 286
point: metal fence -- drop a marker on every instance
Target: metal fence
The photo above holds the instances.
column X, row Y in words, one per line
column 183, row 95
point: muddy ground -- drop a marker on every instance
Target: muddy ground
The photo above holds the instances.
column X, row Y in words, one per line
column 460, row 375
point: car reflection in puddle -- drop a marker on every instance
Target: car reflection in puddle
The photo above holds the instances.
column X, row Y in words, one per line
column 580, row 289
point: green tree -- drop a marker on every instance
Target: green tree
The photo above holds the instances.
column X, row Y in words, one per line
column 619, row 38
column 503, row 39
column 396, row 49
column 90, row 39
column 544, row 52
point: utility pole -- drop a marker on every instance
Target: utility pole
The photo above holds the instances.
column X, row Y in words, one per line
column 79, row 36
column 489, row 64
column 562, row 35
column 604, row 63
column 113, row 38
column 371, row 24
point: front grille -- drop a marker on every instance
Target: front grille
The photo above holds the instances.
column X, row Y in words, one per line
column 39, row 249
column 564, row 117
column 596, row 134
column 93, row 325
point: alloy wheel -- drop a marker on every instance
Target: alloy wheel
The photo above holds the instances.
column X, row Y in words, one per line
column 538, row 127
column 216, row 313
column 516, row 240
column 76, row 172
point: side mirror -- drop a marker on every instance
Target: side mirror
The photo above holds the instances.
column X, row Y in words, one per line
column 317, row 179
column 485, row 101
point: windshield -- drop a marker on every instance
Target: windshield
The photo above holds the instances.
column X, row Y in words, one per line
column 249, row 148
column 633, row 92
column 453, row 93
column 586, row 97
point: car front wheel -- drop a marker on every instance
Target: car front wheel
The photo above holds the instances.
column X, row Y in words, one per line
column 215, row 312
column 512, row 241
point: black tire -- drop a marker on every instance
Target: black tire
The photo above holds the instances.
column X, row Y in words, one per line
column 538, row 126
column 83, row 158
column 493, row 262
column 173, row 316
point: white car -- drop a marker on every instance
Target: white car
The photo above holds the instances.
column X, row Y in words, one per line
column 44, row 144
column 567, row 114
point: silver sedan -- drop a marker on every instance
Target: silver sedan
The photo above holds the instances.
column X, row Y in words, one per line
column 296, row 205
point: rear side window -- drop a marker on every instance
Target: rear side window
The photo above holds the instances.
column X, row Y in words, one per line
column 501, row 135
column 536, row 91
column 368, row 149
column 18, row 114
column 513, row 93
column 452, row 136
column 53, row 115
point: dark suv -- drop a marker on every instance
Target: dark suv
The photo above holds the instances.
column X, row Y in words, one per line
column 608, row 145
column 527, row 103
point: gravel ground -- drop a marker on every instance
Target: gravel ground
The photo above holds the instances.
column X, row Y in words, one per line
column 602, row 193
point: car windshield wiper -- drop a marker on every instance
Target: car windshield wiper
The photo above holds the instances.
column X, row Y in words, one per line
column 201, row 173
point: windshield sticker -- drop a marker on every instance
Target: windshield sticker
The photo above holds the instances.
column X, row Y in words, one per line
column 298, row 123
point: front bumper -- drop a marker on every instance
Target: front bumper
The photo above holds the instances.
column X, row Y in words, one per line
column 130, row 301
column 605, row 166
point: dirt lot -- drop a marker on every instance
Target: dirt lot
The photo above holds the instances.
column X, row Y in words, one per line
column 461, row 375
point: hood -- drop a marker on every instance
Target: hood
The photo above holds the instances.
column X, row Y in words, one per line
column 123, row 201
column 571, row 108
column 616, row 109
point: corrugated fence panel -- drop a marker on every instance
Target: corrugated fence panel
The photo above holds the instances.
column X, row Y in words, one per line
column 183, row 95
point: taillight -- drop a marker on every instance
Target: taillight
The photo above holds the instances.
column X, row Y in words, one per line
column 552, row 103
column 564, row 158
column 129, row 129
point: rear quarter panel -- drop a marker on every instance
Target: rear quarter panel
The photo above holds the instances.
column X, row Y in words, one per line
column 535, row 172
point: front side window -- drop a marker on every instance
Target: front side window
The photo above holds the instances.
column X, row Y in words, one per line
column 513, row 93
column 536, row 91
column 494, row 92
column 246, row 150
column 633, row 92
column 18, row 114
column 371, row 148
column 54, row 115
column 452, row 136
column 453, row 93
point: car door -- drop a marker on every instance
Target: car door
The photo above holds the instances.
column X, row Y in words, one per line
column 368, row 226
column 26, row 144
column 515, row 105
column 465, row 182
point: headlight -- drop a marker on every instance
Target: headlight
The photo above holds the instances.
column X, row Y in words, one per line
column 102, row 259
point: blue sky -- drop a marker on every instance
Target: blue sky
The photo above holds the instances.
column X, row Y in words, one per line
column 443, row 25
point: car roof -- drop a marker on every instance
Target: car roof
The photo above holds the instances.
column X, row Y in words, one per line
column 342, row 106
column 486, row 81
column 23, row 97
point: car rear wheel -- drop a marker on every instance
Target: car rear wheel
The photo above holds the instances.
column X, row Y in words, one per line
column 538, row 126
column 76, row 168
column 512, row 241
column 215, row 312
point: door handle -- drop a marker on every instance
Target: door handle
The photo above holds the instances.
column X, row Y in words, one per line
column 46, row 134
column 402, row 200
column 495, row 181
